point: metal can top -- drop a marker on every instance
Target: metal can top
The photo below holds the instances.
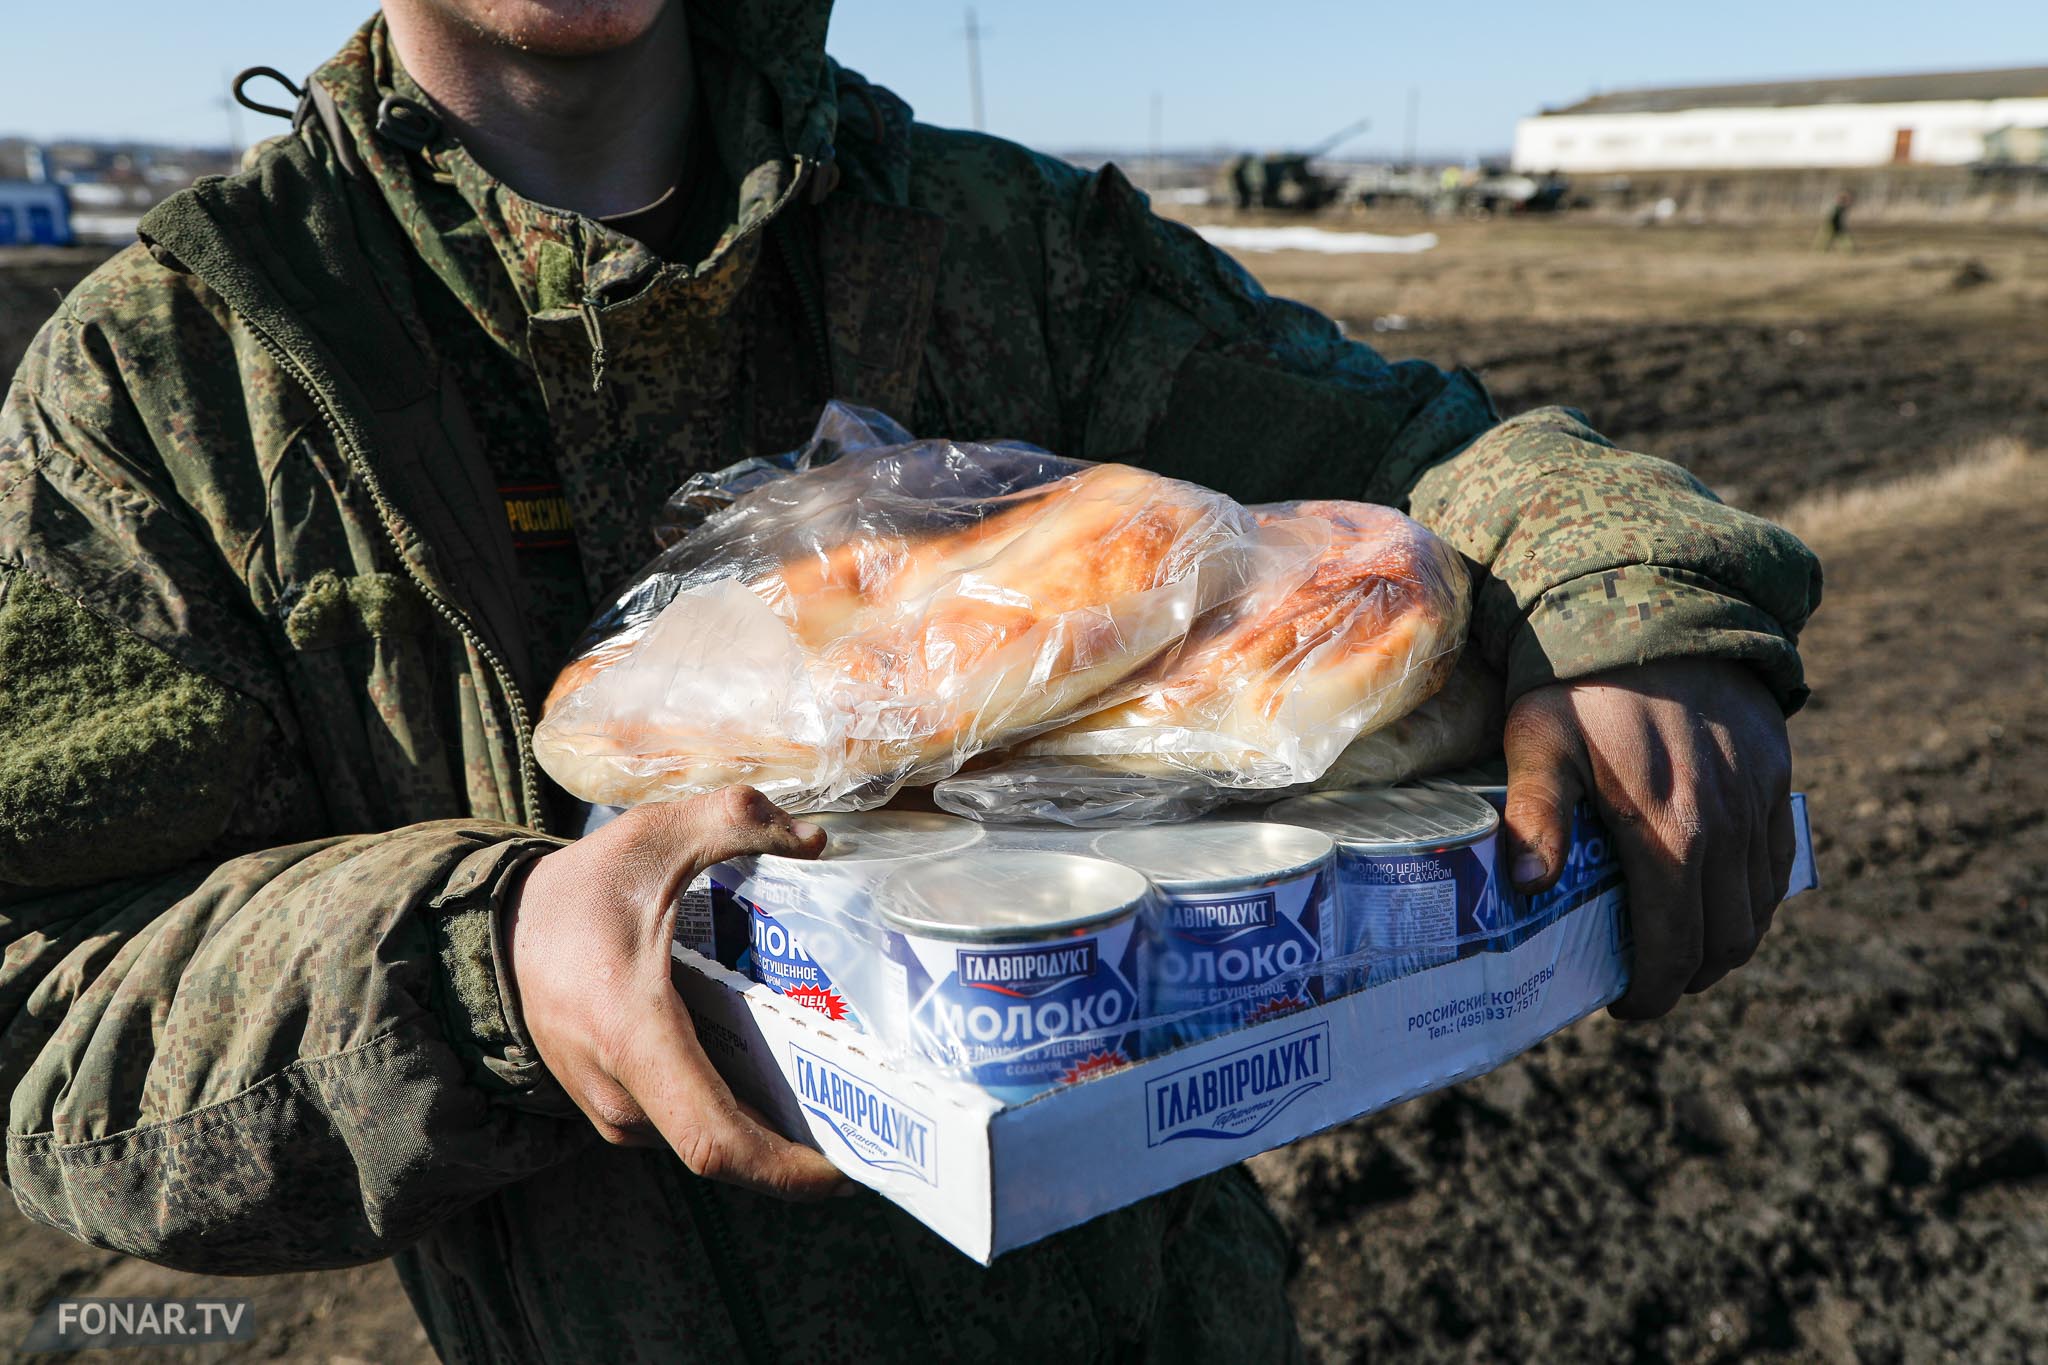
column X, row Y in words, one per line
column 1489, row 775
column 1216, row 856
column 880, row 835
column 1394, row 819
column 1008, row 895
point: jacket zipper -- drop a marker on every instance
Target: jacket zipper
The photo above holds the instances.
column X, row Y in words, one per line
column 388, row 517
column 593, row 332
column 742, row 1304
column 808, row 300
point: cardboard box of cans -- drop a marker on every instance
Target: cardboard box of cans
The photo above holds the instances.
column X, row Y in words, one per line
column 1036, row 1026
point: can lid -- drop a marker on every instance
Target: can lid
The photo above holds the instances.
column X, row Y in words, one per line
column 1486, row 775
column 1393, row 819
column 998, row 895
column 879, row 835
column 1215, row 854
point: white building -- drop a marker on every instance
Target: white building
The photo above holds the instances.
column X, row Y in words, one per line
column 1940, row 119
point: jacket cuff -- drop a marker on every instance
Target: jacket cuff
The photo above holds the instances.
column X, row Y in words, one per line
column 1643, row 613
column 478, row 1005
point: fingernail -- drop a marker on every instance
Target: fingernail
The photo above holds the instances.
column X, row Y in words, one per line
column 1528, row 868
column 804, row 829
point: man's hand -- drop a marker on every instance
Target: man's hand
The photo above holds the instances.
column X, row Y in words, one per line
column 1687, row 764
column 589, row 931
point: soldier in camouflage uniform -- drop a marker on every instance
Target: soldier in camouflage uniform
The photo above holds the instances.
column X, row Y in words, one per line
column 270, row 641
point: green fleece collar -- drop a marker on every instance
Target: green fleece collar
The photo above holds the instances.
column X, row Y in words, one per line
column 767, row 91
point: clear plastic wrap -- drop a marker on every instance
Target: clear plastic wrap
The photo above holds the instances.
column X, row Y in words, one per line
column 1093, row 949
column 1288, row 685
column 842, row 428
column 879, row 618
column 1456, row 725
column 1100, row 643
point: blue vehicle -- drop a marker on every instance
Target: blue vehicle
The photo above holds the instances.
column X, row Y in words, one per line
column 34, row 213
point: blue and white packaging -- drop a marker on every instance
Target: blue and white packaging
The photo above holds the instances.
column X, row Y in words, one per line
column 827, row 900
column 1244, row 920
column 1036, row 986
column 1414, row 872
column 990, row 1174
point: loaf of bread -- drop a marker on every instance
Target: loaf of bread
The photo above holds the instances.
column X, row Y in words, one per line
column 1270, row 691
column 835, row 633
column 834, row 670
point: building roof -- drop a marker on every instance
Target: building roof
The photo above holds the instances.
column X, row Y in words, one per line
column 2020, row 82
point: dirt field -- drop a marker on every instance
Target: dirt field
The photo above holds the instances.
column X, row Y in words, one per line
column 1841, row 1153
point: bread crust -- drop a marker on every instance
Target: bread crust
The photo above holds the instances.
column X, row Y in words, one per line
column 1365, row 636
column 935, row 647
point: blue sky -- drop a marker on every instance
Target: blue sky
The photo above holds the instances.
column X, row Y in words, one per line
column 1082, row 73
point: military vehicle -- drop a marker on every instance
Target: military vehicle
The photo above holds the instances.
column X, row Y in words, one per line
column 1285, row 181
column 1498, row 190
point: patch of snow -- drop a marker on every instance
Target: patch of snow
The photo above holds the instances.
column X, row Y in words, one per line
column 1313, row 239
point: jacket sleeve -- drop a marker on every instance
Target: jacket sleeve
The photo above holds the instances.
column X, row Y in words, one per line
column 1595, row 557
column 221, row 1054
column 1157, row 347
column 296, row 1057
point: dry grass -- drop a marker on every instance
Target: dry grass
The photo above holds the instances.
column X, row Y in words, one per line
column 1997, row 472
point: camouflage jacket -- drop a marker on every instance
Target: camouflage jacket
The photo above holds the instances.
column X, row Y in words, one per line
column 265, row 696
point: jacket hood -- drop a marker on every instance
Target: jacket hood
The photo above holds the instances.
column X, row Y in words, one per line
column 781, row 43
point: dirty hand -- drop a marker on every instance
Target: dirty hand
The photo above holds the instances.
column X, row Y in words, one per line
column 1687, row 764
column 589, row 929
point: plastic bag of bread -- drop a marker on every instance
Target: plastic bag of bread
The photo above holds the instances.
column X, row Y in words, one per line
column 880, row 613
column 874, row 611
column 1457, row 725
column 1278, row 690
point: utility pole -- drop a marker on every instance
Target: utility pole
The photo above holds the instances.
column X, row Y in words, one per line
column 234, row 120
column 974, row 32
column 1414, row 121
column 1158, row 175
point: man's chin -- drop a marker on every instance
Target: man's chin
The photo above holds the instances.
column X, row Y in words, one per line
column 559, row 28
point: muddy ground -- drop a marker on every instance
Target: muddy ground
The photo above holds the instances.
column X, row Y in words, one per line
column 1841, row 1153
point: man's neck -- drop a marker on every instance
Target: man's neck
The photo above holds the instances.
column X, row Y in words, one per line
column 600, row 135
